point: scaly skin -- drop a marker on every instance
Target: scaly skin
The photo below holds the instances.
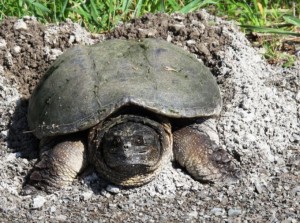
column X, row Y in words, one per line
column 60, row 162
column 195, row 149
column 124, row 178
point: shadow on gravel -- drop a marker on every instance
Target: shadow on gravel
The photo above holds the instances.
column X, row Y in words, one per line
column 19, row 139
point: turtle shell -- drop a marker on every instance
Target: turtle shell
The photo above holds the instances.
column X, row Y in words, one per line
column 88, row 83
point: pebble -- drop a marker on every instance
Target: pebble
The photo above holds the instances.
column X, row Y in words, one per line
column 72, row 39
column 2, row 44
column 52, row 209
column 61, row 218
column 8, row 59
column 258, row 187
column 28, row 17
column 17, row 49
column 54, row 53
column 105, row 193
column 86, row 195
column 190, row 42
column 177, row 27
column 38, row 202
column 10, row 157
column 193, row 214
column 20, row 24
column 113, row 189
column 297, row 97
column 296, row 190
column 234, row 212
column 217, row 211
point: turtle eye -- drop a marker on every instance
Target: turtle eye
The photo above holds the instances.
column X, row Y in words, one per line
column 116, row 141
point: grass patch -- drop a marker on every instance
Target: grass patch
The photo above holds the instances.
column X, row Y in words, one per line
column 95, row 15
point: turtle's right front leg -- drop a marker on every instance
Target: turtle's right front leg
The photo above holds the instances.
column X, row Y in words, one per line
column 61, row 159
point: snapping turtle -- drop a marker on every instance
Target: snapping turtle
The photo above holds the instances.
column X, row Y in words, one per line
column 126, row 107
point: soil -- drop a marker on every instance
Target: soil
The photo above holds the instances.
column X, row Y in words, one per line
column 259, row 126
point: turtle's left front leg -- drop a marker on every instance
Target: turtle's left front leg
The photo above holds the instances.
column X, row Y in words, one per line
column 196, row 149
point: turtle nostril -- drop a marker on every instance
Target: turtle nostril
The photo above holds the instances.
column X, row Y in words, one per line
column 127, row 145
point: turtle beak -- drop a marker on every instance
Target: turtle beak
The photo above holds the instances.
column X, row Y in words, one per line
column 127, row 151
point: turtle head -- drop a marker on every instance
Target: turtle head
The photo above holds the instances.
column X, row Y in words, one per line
column 130, row 150
column 131, row 147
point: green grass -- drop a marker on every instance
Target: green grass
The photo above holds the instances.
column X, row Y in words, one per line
column 98, row 15
column 95, row 15
column 272, row 17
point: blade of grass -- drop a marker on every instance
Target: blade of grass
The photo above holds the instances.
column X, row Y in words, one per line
column 79, row 10
column 261, row 29
column 39, row 6
column 194, row 5
column 162, row 5
column 63, row 9
column 126, row 5
column 174, row 5
column 137, row 10
column 292, row 20
column 93, row 11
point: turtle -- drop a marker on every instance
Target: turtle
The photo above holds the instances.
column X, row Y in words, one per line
column 126, row 107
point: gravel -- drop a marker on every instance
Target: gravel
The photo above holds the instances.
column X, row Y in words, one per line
column 259, row 126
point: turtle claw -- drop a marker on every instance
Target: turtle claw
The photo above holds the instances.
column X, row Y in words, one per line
column 229, row 172
column 29, row 189
column 58, row 167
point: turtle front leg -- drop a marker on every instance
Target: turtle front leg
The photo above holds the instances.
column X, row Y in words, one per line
column 61, row 159
column 196, row 149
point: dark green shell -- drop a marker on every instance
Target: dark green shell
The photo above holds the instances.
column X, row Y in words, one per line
column 88, row 83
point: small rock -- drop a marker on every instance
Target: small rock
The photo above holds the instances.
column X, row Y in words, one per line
column 54, row 53
column 4, row 134
column 8, row 59
column 2, row 44
column 1, row 70
column 234, row 212
column 258, row 187
column 86, row 195
column 105, row 193
column 169, row 38
column 20, row 24
column 190, row 42
column 176, row 28
column 296, row 190
column 71, row 39
column 52, row 209
column 28, row 17
column 17, row 49
column 112, row 206
column 113, row 189
column 61, row 218
column 296, row 137
column 10, row 157
column 38, row 202
column 193, row 214
column 151, row 33
column 290, row 220
column 217, row 211
column 179, row 18
column 298, row 96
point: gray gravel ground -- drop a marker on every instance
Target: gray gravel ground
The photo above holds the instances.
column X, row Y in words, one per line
column 259, row 126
